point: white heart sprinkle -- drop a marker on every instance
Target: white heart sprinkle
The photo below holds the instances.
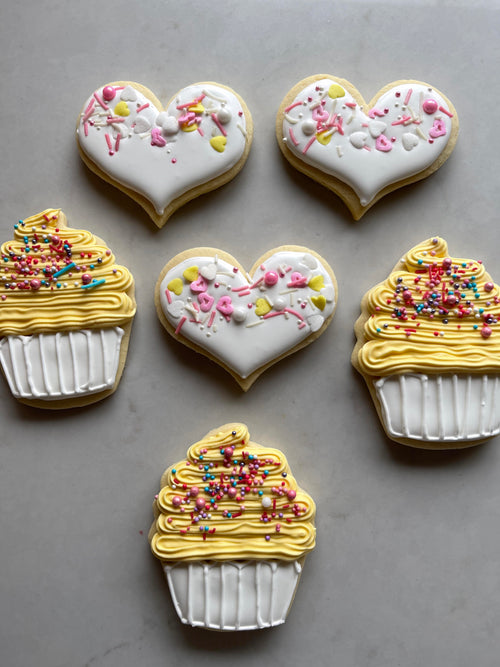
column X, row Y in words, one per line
column 329, row 293
column 141, row 125
column 409, row 140
column 310, row 261
column 176, row 308
column 315, row 322
column 209, row 271
column 358, row 139
column 376, row 127
column 128, row 94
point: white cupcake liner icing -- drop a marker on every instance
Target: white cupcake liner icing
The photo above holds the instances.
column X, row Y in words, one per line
column 440, row 408
column 233, row 595
column 55, row 366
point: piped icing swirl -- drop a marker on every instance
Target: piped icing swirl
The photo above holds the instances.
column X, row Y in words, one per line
column 232, row 499
column 55, row 278
column 433, row 314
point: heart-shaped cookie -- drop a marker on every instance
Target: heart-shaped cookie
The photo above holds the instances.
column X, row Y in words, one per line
column 362, row 151
column 164, row 158
column 247, row 322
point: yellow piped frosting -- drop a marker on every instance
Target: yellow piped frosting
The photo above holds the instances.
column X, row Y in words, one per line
column 433, row 314
column 55, row 278
column 231, row 499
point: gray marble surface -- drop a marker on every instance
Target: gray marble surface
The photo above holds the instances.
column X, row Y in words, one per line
column 406, row 569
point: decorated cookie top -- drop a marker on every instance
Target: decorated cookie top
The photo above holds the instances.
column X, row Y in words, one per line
column 162, row 154
column 246, row 321
column 327, row 125
column 231, row 499
column 434, row 313
column 56, row 278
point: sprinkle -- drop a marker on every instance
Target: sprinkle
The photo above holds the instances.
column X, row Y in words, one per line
column 443, row 110
column 217, row 122
column 94, row 283
column 66, row 268
column 292, row 106
column 309, row 144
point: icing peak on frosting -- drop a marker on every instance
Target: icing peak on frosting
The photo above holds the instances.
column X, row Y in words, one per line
column 231, row 499
column 433, row 314
column 54, row 278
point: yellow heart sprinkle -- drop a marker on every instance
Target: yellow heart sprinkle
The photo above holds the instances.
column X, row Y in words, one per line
column 262, row 307
column 191, row 274
column 176, row 285
column 197, row 108
column 335, row 91
column 188, row 128
column 218, row 143
column 316, row 283
column 319, row 301
column 324, row 138
column 121, row 109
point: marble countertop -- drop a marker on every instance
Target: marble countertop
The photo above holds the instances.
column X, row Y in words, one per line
column 405, row 571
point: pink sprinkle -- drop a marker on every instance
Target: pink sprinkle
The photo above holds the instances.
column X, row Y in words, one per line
column 302, row 325
column 200, row 131
column 408, row 95
column 179, row 326
column 351, row 105
column 448, row 113
column 367, row 148
column 292, row 106
column 293, row 312
column 211, row 320
column 104, row 106
column 375, row 112
column 217, row 122
column 108, row 141
column 86, row 129
column 167, row 294
column 292, row 136
column 309, row 144
column 402, row 121
column 244, row 293
column 144, row 106
column 117, row 142
column 89, row 111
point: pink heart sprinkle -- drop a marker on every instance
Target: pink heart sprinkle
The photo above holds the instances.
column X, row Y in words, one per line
column 199, row 285
column 383, row 144
column 297, row 280
column 438, row 129
column 224, row 305
column 156, row 138
column 206, row 301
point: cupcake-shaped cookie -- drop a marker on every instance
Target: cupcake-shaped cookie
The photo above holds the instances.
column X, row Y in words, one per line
column 429, row 349
column 66, row 310
column 232, row 531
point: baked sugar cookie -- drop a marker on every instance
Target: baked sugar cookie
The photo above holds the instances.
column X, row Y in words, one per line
column 232, row 549
column 163, row 158
column 428, row 346
column 362, row 151
column 246, row 322
column 66, row 311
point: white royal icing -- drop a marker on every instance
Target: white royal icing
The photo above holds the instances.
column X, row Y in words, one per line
column 440, row 408
column 368, row 149
column 265, row 322
column 233, row 595
column 149, row 152
column 56, row 366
